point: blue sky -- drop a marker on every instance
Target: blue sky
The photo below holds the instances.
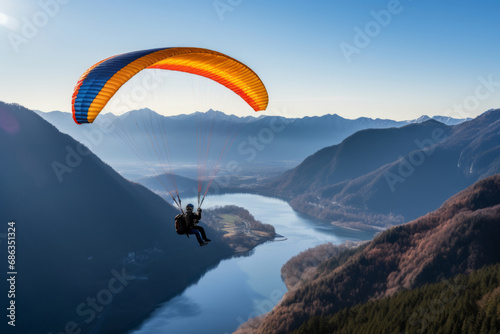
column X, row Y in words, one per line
column 387, row 59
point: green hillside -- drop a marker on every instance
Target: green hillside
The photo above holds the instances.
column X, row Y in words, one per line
column 464, row 304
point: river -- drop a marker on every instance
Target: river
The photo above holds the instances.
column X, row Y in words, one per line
column 244, row 287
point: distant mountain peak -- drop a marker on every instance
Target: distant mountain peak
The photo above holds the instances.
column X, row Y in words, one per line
column 423, row 118
column 493, row 113
column 357, row 172
column 144, row 112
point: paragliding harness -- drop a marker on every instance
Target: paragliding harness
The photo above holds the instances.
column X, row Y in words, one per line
column 181, row 224
column 181, row 220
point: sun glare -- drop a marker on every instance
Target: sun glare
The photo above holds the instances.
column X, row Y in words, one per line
column 8, row 21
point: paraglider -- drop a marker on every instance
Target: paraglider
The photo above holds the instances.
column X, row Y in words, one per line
column 187, row 223
column 102, row 81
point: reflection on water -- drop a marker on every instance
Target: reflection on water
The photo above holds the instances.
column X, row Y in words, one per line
column 244, row 287
column 180, row 307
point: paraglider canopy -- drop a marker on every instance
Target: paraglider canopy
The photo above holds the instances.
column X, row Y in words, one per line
column 101, row 81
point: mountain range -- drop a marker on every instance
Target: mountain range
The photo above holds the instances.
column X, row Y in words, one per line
column 458, row 238
column 371, row 178
column 257, row 141
column 376, row 178
column 466, row 303
column 94, row 251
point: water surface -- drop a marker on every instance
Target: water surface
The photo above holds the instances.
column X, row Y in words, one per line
column 243, row 287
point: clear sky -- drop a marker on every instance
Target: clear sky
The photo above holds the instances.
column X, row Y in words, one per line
column 387, row 59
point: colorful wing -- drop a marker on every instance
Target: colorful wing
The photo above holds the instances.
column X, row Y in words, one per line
column 100, row 82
